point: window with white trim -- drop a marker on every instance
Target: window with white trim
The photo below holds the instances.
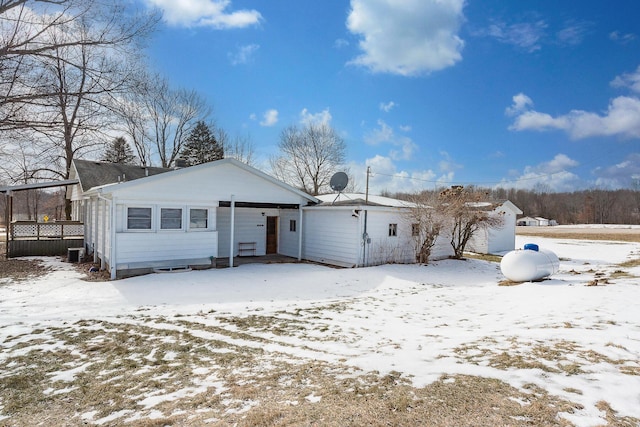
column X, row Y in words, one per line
column 198, row 218
column 292, row 225
column 170, row 218
column 393, row 230
column 139, row 218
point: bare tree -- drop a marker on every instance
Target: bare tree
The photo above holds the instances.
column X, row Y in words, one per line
column 309, row 156
column 67, row 61
column 159, row 118
column 466, row 212
column 240, row 147
column 426, row 224
column 32, row 31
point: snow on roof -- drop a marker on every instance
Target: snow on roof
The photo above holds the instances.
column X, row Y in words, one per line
column 353, row 199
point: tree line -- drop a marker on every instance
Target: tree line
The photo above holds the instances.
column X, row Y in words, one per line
column 594, row 206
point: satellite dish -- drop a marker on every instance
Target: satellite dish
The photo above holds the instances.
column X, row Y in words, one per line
column 339, row 181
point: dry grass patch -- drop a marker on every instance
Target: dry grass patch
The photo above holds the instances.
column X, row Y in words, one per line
column 629, row 235
column 166, row 373
column 18, row 270
column 483, row 257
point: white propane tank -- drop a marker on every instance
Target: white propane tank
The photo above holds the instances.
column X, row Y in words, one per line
column 530, row 263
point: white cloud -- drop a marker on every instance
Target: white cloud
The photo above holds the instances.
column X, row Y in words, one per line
column 385, row 176
column 628, row 80
column 622, row 118
column 404, row 147
column 387, row 107
column 573, row 33
column 553, row 175
column 323, row 117
column 340, row 43
column 407, row 38
column 270, row 118
column 205, row 13
column 625, row 174
column 621, row 38
column 524, row 35
column 521, row 102
column 447, row 165
column 244, row 54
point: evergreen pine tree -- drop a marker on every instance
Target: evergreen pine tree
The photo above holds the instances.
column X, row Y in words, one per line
column 201, row 146
column 119, row 151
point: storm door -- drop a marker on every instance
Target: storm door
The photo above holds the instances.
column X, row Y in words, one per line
column 272, row 235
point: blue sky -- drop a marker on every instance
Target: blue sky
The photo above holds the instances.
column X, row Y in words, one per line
column 523, row 94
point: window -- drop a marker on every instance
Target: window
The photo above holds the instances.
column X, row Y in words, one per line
column 292, row 225
column 415, row 230
column 198, row 218
column 170, row 219
column 393, row 230
column 139, row 218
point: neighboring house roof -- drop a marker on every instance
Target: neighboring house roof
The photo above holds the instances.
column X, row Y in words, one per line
column 95, row 174
column 357, row 199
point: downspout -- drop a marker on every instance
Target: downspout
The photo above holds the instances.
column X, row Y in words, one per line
column 300, row 233
column 360, row 253
column 232, row 231
column 365, row 236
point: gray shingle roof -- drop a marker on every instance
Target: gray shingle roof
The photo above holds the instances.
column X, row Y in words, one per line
column 93, row 174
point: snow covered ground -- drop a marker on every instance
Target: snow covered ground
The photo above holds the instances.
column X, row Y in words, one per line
column 578, row 342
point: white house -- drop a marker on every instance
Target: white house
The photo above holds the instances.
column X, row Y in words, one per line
column 349, row 231
column 138, row 219
column 184, row 217
column 345, row 230
column 535, row 222
column 496, row 240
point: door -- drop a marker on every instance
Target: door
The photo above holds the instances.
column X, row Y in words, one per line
column 272, row 235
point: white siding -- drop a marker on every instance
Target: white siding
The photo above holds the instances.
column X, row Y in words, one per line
column 331, row 236
column 385, row 249
column 334, row 236
column 137, row 247
column 504, row 239
column 206, row 183
column 250, row 225
column 140, row 248
column 496, row 240
column 288, row 240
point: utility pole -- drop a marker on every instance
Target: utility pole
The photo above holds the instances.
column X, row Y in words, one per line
column 365, row 236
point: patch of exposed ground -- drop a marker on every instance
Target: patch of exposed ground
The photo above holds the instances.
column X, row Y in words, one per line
column 17, row 270
column 155, row 371
column 601, row 233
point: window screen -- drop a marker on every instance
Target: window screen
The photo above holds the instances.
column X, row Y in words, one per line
column 198, row 218
column 170, row 218
column 139, row 218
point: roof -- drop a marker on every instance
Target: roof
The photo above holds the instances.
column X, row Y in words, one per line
column 95, row 174
column 37, row 185
column 357, row 199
